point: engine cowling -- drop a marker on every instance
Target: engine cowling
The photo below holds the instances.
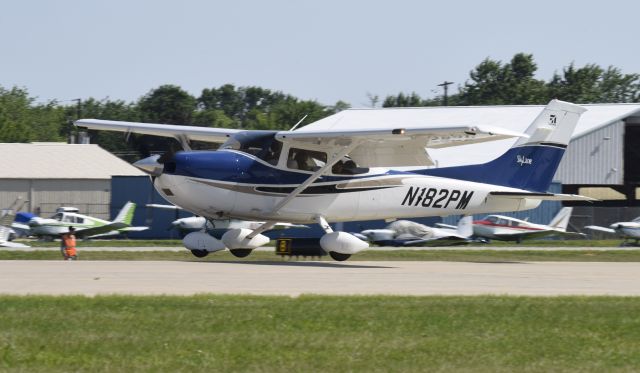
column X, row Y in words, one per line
column 237, row 239
column 202, row 241
column 342, row 242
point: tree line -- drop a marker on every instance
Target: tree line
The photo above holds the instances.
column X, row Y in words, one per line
column 514, row 83
column 23, row 119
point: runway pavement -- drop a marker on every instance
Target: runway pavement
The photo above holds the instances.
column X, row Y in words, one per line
column 295, row 278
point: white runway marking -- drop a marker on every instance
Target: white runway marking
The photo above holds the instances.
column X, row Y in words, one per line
column 295, row 278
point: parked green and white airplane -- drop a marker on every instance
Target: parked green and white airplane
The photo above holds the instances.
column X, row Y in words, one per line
column 85, row 226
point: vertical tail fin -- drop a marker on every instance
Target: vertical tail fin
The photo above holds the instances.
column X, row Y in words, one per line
column 465, row 226
column 126, row 214
column 561, row 220
column 531, row 162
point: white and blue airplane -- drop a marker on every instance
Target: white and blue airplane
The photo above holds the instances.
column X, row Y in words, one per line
column 335, row 174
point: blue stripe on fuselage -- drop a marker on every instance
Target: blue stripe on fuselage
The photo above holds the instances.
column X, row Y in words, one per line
column 237, row 167
column 529, row 167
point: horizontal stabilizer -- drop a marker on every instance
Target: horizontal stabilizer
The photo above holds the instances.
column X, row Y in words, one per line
column 543, row 196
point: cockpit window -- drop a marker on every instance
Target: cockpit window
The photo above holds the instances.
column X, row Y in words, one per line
column 346, row 166
column 306, row 160
column 261, row 144
column 491, row 219
column 57, row 217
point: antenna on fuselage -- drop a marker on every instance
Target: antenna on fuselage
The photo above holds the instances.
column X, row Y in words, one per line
column 297, row 124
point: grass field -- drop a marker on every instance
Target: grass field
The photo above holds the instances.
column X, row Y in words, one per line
column 319, row 333
column 425, row 255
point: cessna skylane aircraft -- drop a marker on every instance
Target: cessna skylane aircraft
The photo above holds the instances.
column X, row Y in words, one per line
column 339, row 173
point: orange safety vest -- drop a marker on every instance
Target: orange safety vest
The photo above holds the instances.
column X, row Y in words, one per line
column 69, row 242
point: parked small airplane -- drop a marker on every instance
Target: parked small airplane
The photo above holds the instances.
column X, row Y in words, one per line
column 505, row 228
column 338, row 169
column 6, row 219
column 86, row 226
column 629, row 230
column 410, row 233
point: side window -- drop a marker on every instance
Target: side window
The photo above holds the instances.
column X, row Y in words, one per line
column 68, row 219
column 79, row 220
column 347, row 166
column 306, row 160
column 492, row 219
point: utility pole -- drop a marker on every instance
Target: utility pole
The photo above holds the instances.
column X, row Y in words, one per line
column 73, row 133
column 445, row 85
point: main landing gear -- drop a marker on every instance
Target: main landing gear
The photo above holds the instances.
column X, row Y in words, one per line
column 338, row 256
column 199, row 253
column 240, row 253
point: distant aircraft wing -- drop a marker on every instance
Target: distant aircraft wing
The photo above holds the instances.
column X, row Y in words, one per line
column 440, row 241
column 443, row 225
column 133, row 229
column 94, row 231
column 181, row 133
column 394, row 147
column 600, row 229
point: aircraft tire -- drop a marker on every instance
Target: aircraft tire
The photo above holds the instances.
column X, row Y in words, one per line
column 240, row 253
column 338, row 256
column 199, row 253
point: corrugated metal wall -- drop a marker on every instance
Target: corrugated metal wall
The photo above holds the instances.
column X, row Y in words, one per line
column 595, row 158
column 138, row 189
column 91, row 197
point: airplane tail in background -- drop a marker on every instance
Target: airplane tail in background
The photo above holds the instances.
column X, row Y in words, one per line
column 126, row 214
column 465, row 226
column 531, row 162
column 561, row 220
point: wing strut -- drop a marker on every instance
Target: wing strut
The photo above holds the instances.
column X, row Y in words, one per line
column 333, row 160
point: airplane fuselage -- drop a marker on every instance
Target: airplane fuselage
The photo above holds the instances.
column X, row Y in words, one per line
column 233, row 184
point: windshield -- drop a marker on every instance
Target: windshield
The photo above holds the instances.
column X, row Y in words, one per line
column 261, row 144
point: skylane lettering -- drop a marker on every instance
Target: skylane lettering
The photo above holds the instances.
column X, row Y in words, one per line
column 437, row 198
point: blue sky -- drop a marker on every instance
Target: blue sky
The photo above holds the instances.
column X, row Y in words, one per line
column 324, row 50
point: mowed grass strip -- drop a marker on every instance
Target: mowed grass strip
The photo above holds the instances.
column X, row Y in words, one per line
column 401, row 255
column 319, row 333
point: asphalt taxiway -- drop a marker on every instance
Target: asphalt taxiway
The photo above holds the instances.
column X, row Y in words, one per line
column 310, row 277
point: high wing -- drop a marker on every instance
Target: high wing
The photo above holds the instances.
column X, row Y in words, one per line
column 182, row 133
column 394, row 147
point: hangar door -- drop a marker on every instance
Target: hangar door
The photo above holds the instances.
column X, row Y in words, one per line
column 632, row 154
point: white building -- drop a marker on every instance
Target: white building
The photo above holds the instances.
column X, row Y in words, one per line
column 50, row 175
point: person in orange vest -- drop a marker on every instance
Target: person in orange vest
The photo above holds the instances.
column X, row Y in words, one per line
column 68, row 245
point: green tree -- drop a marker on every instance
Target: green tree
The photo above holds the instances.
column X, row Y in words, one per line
column 167, row 104
column 492, row 83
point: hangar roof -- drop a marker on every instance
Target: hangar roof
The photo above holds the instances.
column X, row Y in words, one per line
column 513, row 117
column 61, row 161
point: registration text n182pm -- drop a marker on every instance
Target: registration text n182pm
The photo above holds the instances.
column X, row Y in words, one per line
column 350, row 170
